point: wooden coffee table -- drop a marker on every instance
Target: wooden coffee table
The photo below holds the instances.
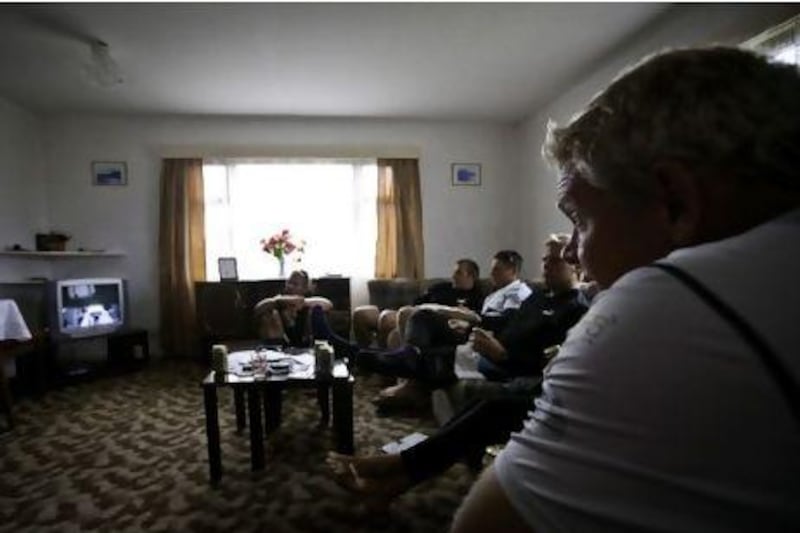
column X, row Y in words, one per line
column 268, row 391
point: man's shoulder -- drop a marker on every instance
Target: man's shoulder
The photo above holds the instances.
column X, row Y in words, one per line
column 441, row 287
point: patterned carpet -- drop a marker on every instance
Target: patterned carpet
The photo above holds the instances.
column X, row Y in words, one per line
column 129, row 453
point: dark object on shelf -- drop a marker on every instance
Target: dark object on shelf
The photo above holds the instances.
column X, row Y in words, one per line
column 51, row 242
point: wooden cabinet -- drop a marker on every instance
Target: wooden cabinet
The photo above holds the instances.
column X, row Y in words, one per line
column 225, row 308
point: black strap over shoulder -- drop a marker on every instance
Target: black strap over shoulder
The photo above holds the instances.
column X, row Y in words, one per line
column 769, row 358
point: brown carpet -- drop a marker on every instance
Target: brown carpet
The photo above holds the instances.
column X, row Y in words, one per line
column 129, row 453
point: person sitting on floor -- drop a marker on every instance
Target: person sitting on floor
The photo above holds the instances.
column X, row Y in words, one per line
column 673, row 404
column 284, row 318
column 517, row 350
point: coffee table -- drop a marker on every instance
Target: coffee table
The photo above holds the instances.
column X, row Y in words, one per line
column 269, row 392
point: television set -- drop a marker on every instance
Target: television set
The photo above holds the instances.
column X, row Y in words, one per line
column 87, row 307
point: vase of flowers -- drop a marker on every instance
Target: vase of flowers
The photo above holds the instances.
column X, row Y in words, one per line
column 280, row 245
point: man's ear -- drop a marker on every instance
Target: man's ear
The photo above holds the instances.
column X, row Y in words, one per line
column 680, row 194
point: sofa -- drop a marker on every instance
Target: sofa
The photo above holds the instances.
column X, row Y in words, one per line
column 397, row 292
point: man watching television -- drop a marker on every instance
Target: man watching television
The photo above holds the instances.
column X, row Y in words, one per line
column 673, row 404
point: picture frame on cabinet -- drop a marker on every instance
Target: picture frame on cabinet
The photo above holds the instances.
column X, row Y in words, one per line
column 227, row 269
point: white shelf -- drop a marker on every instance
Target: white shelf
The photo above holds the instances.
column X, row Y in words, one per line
column 58, row 255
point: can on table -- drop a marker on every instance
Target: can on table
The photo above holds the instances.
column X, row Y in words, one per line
column 323, row 354
column 219, row 361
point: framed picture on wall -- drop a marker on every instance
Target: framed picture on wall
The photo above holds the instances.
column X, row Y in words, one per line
column 227, row 269
column 466, row 174
column 109, row 173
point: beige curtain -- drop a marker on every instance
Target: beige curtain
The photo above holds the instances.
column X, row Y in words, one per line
column 400, row 250
column 181, row 252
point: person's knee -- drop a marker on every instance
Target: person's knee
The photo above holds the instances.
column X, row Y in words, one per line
column 270, row 326
column 365, row 316
column 394, row 339
column 387, row 321
column 365, row 323
column 403, row 316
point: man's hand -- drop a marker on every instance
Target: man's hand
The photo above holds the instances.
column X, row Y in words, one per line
column 487, row 345
column 459, row 326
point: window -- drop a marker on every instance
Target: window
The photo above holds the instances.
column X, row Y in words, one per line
column 331, row 204
column 782, row 43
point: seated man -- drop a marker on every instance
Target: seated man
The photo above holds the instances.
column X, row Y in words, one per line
column 517, row 350
column 463, row 291
column 285, row 318
column 673, row 404
column 435, row 325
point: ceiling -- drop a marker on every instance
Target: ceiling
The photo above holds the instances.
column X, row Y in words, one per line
column 440, row 61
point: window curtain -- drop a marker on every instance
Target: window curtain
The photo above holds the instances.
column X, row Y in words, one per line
column 181, row 252
column 399, row 248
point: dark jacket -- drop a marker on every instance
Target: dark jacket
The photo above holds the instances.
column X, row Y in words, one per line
column 445, row 294
column 542, row 321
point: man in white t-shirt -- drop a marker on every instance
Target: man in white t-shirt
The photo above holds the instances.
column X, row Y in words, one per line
column 445, row 327
column 673, row 404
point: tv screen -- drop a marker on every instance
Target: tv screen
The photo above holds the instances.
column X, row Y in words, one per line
column 90, row 306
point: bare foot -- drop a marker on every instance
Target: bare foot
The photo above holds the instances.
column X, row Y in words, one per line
column 394, row 389
column 380, row 478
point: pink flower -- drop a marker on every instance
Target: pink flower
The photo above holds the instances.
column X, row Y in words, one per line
column 281, row 244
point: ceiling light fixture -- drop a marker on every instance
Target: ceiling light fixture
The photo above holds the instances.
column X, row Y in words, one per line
column 102, row 70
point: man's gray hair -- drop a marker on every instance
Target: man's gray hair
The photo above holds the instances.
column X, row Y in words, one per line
column 719, row 111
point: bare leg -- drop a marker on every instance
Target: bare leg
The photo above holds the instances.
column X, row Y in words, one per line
column 271, row 326
column 365, row 323
column 403, row 316
column 394, row 339
column 387, row 321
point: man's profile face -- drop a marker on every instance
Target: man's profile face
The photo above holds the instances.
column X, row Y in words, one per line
column 462, row 278
column 609, row 237
column 502, row 274
column 557, row 273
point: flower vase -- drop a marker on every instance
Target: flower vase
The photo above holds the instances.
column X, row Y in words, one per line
column 282, row 267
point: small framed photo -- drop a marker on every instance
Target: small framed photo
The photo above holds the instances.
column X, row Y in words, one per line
column 227, row 269
column 109, row 173
column 466, row 174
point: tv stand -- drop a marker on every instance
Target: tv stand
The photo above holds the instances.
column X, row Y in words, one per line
column 121, row 344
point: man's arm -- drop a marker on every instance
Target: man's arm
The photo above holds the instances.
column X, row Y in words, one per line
column 486, row 344
column 283, row 301
column 486, row 508
column 278, row 302
column 458, row 313
column 318, row 301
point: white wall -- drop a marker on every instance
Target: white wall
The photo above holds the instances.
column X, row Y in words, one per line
column 683, row 25
column 461, row 221
column 23, row 205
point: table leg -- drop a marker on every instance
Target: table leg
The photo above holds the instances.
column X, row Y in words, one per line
column 5, row 395
column 238, row 402
column 343, row 414
column 256, row 432
column 273, row 406
column 324, row 401
column 212, row 433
